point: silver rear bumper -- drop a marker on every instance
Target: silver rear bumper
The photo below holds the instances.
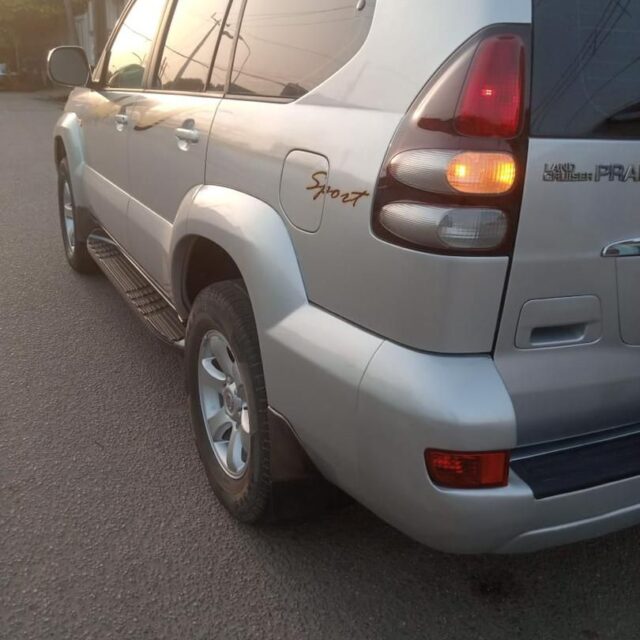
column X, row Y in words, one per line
column 376, row 406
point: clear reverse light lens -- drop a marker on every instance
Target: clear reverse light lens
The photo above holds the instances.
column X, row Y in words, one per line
column 445, row 228
column 473, row 229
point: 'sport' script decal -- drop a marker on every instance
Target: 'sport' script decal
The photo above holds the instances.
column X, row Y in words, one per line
column 320, row 188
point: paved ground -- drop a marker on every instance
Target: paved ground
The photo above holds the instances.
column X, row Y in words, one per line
column 107, row 525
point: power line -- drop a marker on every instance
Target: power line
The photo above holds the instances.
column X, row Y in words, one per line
column 286, row 14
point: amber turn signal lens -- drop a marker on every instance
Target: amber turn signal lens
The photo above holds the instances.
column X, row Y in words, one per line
column 461, row 470
column 482, row 173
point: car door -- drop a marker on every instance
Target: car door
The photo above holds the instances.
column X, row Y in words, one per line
column 170, row 126
column 105, row 120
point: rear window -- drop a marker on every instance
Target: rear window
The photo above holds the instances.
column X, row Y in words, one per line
column 586, row 69
column 287, row 48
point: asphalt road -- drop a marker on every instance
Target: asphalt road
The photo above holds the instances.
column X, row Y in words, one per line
column 108, row 528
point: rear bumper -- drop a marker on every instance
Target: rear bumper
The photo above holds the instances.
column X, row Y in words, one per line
column 370, row 434
column 606, row 520
column 461, row 404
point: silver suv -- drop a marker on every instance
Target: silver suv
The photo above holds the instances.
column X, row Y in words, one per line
column 398, row 241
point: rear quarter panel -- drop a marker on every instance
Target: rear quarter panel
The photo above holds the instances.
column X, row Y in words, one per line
column 428, row 302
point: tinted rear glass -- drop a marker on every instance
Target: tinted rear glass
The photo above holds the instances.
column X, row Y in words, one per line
column 586, row 68
column 287, row 48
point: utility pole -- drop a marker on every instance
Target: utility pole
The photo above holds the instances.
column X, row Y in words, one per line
column 72, row 34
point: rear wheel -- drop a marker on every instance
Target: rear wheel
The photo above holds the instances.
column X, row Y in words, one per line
column 74, row 246
column 228, row 399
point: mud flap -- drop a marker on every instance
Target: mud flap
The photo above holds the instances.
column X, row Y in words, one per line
column 298, row 489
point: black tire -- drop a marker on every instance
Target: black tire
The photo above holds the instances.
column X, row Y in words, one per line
column 225, row 307
column 77, row 254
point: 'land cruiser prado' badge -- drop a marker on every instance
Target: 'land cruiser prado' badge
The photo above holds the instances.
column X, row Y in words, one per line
column 566, row 172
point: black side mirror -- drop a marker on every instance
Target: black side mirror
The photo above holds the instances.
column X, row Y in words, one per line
column 68, row 66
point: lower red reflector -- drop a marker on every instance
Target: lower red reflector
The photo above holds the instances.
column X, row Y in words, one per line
column 462, row 470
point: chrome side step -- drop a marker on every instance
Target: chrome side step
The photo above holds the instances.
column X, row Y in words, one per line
column 156, row 313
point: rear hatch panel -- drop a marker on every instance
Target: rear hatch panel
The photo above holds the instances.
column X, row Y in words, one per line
column 567, row 344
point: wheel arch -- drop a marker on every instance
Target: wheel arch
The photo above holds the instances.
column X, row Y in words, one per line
column 68, row 143
column 59, row 151
column 224, row 234
column 205, row 263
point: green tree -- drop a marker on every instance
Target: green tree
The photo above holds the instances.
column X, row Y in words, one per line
column 19, row 13
column 22, row 21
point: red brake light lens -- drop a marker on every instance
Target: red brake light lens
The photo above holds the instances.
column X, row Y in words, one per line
column 493, row 95
column 461, row 470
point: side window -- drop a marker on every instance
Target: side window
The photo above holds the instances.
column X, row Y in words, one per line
column 288, row 47
column 130, row 52
column 225, row 48
column 190, row 45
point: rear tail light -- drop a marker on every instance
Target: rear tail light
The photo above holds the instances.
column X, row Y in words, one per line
column 491, row 103
column 461, row 470
column 445, row 228
column 452, row 179
column 482, row 173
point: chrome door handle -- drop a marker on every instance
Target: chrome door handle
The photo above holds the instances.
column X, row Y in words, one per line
column 188, row 135
column 622, row 249
column 122, row 120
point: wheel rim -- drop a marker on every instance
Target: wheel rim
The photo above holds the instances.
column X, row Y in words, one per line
column 223, row 404
column 69, row 220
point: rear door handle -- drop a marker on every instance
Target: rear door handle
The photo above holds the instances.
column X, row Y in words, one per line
column 622, row 249
column 188, row 135
column 122, row 120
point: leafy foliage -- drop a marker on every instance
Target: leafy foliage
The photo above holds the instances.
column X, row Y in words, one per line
column 20, row 14
column 29, row 27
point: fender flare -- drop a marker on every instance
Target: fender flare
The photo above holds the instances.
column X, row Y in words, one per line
column 255, row 236
column 68, row 129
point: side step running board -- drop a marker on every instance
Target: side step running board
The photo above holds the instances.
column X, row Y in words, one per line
column 142, row 296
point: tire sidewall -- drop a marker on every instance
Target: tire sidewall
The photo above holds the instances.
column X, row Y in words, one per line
column 65, row 178
column 241, row 496
column 78, row 257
